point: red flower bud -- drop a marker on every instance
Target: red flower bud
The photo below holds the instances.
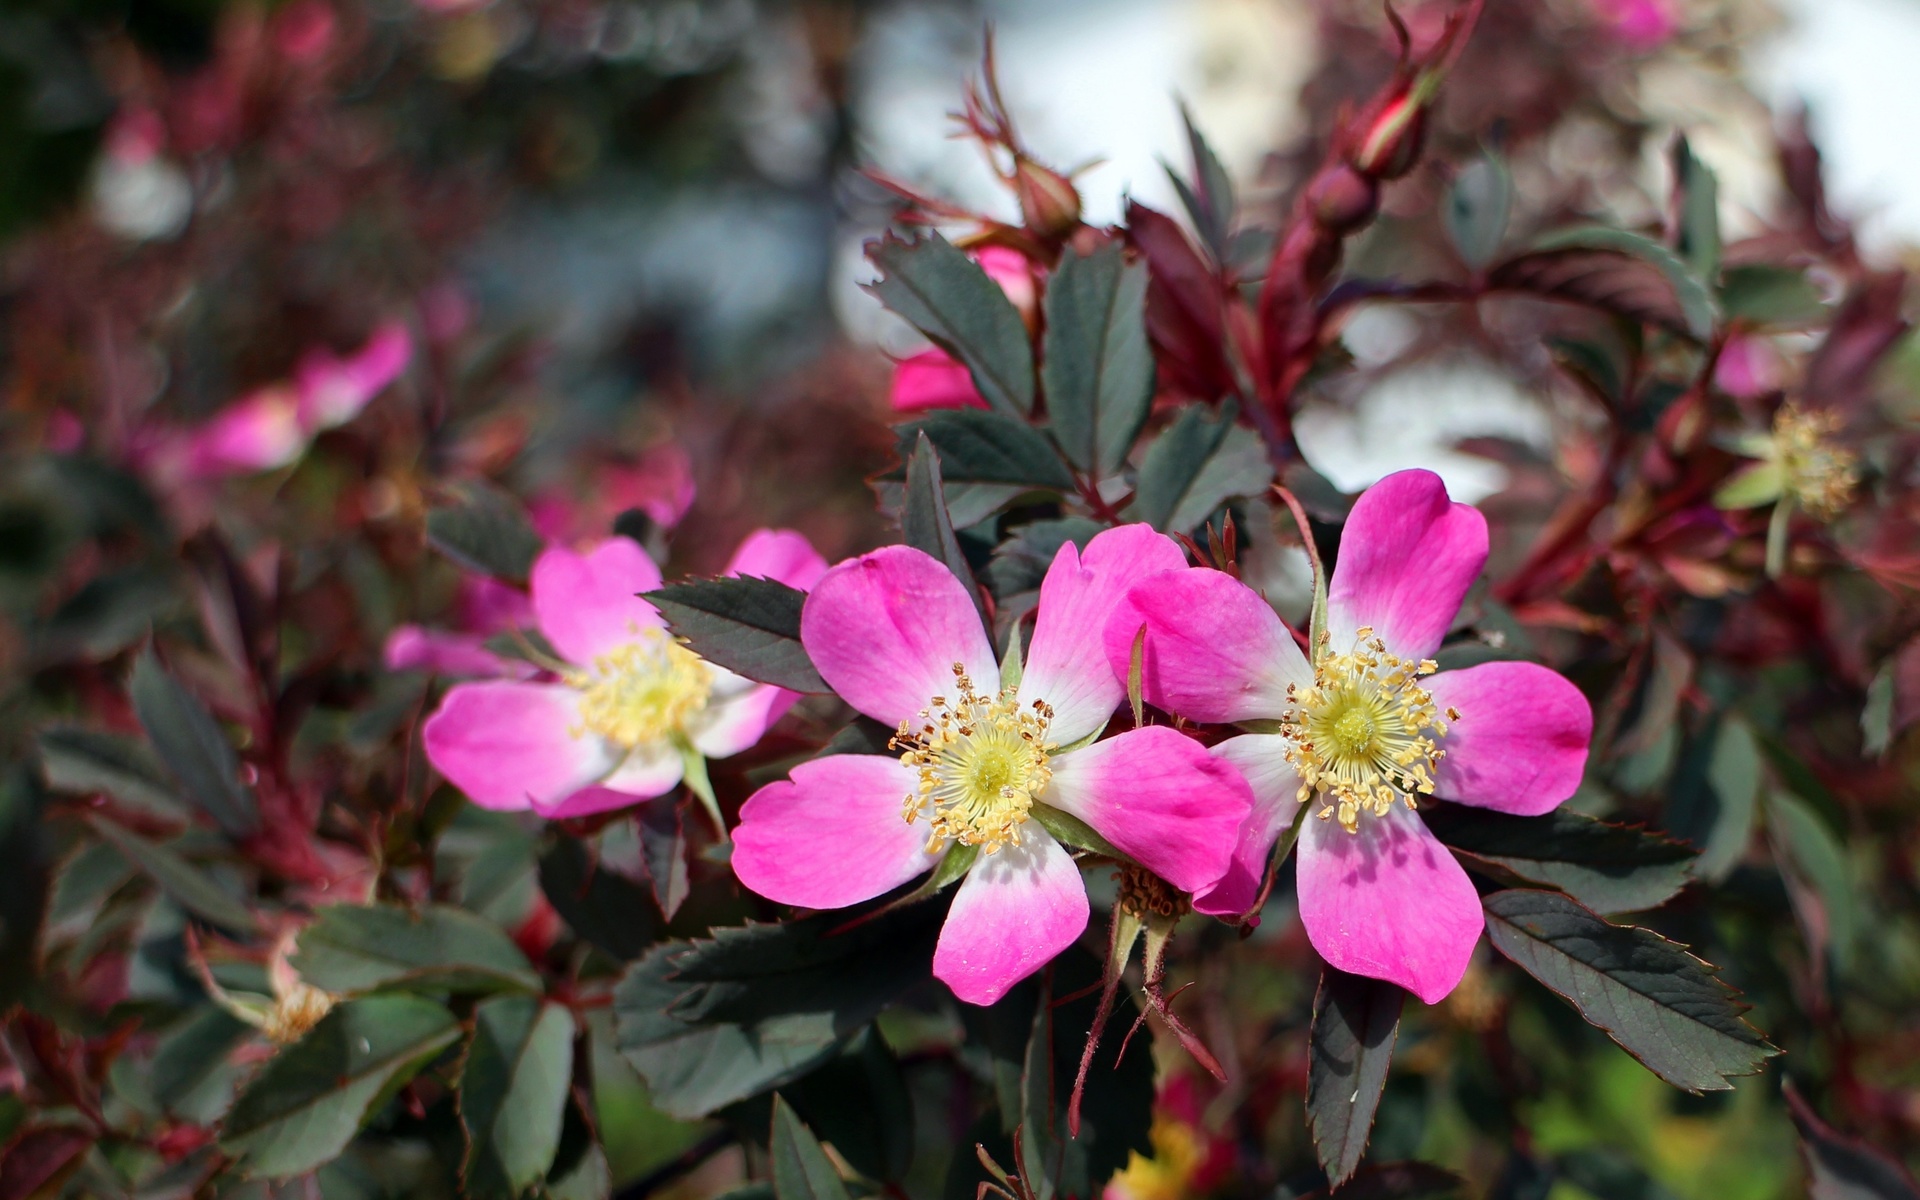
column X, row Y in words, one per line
column 1048, row 199
column 1341, row 199
column 1394, row 139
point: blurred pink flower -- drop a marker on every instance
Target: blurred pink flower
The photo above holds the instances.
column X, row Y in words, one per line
column 659, row 483
column 896, row 635
column 629, row 703
column 933, row 378
column 273, row 426
column 1749, row 366
column 488, row 606
column 414, row 648
column 303, row 31
column 1642, row 24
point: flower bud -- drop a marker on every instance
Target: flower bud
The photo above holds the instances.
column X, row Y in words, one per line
column 1394, row 139
column 1048, row 199
column 1341, row 199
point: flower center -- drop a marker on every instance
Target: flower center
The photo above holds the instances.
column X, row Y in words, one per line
column 981, row 761
column 643, row 691
column 1819, row 475
column 1364, row 732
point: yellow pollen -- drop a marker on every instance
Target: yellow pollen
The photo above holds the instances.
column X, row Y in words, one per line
column 1364, row 733
column 643, row 691
column 1818, row 474
column 981, row 760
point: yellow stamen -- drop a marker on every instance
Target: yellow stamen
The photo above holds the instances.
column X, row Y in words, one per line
column 643, row 691
column 1817, row 473
column 1363, row 734
column 981, row 761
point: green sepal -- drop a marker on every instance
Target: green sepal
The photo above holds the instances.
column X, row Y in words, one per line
column 1011, row 668
column 1071, row 830
column 1751, row 487
column 693, row 772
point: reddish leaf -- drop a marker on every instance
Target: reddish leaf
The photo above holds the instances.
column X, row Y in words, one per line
column 1184, row 316
column 1600, row 279
column 1867, row 327
column 39, row 1158
column 1842, row 1167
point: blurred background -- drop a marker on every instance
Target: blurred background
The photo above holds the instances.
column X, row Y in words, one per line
column 624, row 240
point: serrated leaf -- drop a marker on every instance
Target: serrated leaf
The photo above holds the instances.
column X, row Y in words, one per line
column 1614, row 270
column 663, row 844
column 1608, row 868
column 1194, row 466
column 1355, row 1023
column 89, row 761
column 925, row 524
column 1767, row 296
column 1477, row 208
column 711, row 1022
column 193, row 746
column 985, row 448
column 749, row 626
column 1097, row 366
column 946, row 295
column 309, row 1100
column 486, row 531
column 1208, row 199
column 801, row 1169
column 598, row 903
column 513, row 1093
column 1660, row 1003
column 1842, row 1167
column 183, row 882
column 381, row 947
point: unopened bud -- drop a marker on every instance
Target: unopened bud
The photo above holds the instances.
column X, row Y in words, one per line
column 1341, row 199
column 1048, row 200
column 1393, row 141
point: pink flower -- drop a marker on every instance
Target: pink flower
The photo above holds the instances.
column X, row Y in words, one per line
column 629, row 702
column 1367, row 730
column 935, row 379
column 414, row 648
column 1642, row 24
column 898, row 638
column 1749, row 367
column 273, row 426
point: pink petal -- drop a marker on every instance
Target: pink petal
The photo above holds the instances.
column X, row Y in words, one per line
column 737, row 716
column 588, row 604
column 650, row 769
column 512, row 746
column 780, row 555
column 1067, row 663
column 1407, row 557
column 1016, row 909
column 1520, row 745
column 591, row 800
column 1262, row 761
column 660, row 484
column 486, row 605
column 1215, row 651
column 260, row 432
column 412, row 648
column 832, row 835
column 1388, row 902
column 933, row 379
column 1011, row 270
column 885, row 630
column 1158, row 796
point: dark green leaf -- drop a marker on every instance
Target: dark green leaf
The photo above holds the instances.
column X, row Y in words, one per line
column 1842, row 1167
column 1733, row 780
column 949, row 298
column 580, row 1170
column 862, row 735
column 1660, row 1003
column 193, row 746
column 925, row 524
column 749, row 626
column 89, row 761
column 1197, row 464
column 1820, row 880
column 1396, row 1181
column 801, row 1170
column 192, row 1060
column 487, row 531
column 188, row 886
column 1608, row 868
column 1697, row 203
column 663, row 843
column 1477, row 208
column 26, row 855
column 360, row 948
column 108, row 614
column 1097, row 366
column 513, row 1093
column 986, row 460
column 1355, row 1023
column 305, row 1105
column 1769, row 296
column 598, row 903
column 1611, row 1175
column 859, row 1102
column 711, row 1022
column 1209, row 198
column 1021, row 562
